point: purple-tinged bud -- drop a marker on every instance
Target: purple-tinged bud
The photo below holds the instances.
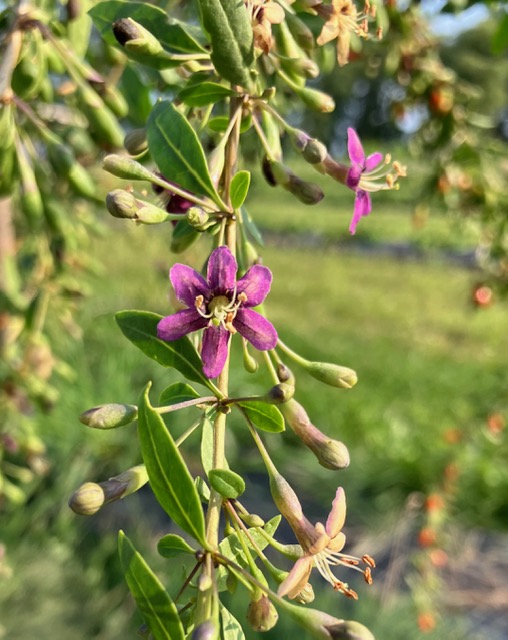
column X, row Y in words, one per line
column 331, row 454
column 134, row 37
column 122, row 204
column 349, row 630
column 126, row 168
column 279, row 394
column 285, row 374
column 332, row 374
column 315, row 152
column 307, row 192
column 207, row 630
column 135, row 142
column 280, row 174
column 261, row 614
column 109, row 416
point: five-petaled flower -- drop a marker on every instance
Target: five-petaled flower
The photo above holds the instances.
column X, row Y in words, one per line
column 322, row 546
column 221, row 306
column 365, row 176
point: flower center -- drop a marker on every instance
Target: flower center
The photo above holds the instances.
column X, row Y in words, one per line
column 221, row 311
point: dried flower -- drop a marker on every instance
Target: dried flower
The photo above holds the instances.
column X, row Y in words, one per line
column 220, row 305
column 264, row 13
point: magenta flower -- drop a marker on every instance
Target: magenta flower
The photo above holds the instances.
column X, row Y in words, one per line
column 221, row 306
column 360, row 167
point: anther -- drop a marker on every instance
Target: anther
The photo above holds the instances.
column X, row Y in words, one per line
column 367, row 575
column 199, row 301
column 369, row 560
column 242, row 297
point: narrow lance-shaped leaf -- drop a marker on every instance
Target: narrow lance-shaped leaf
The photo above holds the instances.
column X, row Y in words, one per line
column 177, row 151
column 169, row 476
column 204, row 93
column 140, row 327
column 239, row 188
column 155, row 604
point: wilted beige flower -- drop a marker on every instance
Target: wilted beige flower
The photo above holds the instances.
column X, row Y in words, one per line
column 264, row 13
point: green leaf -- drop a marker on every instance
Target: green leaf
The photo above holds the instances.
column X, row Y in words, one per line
column 203, row 94
column 239, row 188
column 219, row 124
column 226, row 482
column 169, row 476
column 228, row 23
column 251, row 227
column 155, row 604
column 500, row 37
column 173, row 35
column 171, row 545
column 263, row 416
column 177, row 151
column 137, row 94
column 176, row 393
column 231, row 628
column 140, row 327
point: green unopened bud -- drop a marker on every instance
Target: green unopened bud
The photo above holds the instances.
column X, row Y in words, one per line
column 216, row 160
column 331, row 454
column 323, row 625
column 314, row 152
column 135, row 142
column 250, row 363
column 148, row 213
column 91, row 496
column 109, row 416
column 252, row 520
column 279, row 394
column 280, row 174
column 306, row 595
column 126, row 168
column 332, row 374
column 301, row 32
column 261, row 614
column 134, row 37
column 197, row 217
column 88, row 499
column 122, row 204
column 315, row 99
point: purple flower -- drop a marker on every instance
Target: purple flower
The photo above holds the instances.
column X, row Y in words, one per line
column 221, row 306
column 360, row 165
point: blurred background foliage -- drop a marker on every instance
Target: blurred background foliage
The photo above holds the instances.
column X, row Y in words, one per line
column 414, row 304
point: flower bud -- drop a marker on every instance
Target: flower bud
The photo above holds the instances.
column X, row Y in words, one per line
column 261, row 614
column 252, row 520
column 91, row 496
column 284, row 497
column 301, row 32
column 197, row 217
column 306, row 595
column 332, row 374
column 323, row 625
column 315, row 152
column 150, row 214
column 250, row 363
column 331, row 454
column 207, row 630
column 135, row 142
column 88, row 499
column 306, row 192
column 134, row 37
column 126, row 168
column 279, row 394
column 315, row 99
column 285, row 374
column 109, row 416
column 122, row 204
column 348, row 630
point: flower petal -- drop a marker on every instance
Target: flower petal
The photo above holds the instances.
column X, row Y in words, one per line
column 329, row 31
column 222, row 268
column 337, row 516
column 297, row 578
column 180, row 324
column 259, row 331
column 354, row 147
column 363, row 206
column 373, row 160
column 188, row 284
column 337, row 544
column 255, row 284
column 353, row 176
column 214, row 350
